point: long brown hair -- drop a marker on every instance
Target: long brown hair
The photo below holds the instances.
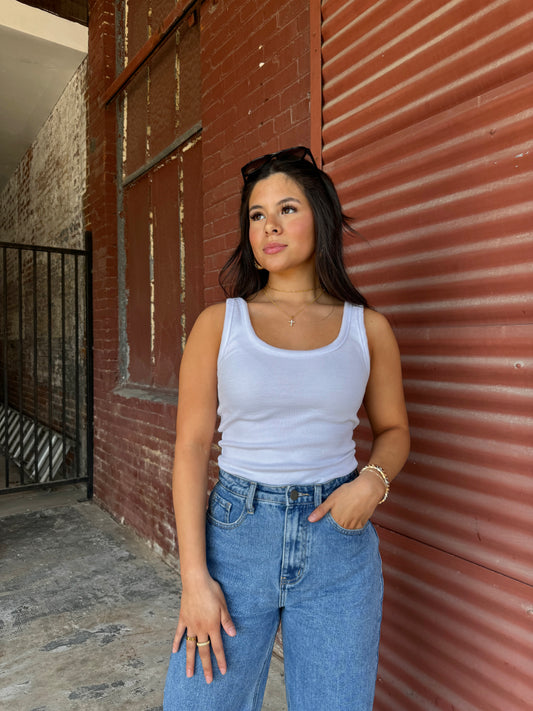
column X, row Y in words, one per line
column 240, row 277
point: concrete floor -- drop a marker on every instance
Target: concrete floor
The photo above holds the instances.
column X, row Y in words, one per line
column 87, row 610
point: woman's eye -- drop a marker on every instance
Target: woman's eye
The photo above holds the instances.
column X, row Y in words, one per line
column 255, row 216
column 287, row 209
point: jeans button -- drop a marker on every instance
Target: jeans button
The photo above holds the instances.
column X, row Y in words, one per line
column 294, row 494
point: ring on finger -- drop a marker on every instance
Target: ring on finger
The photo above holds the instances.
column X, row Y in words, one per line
column 190, row 638
column 203, row 644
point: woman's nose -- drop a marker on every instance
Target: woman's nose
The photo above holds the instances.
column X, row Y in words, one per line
column 272, row 225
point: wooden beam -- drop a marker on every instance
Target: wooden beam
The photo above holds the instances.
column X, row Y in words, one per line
column 169, row 24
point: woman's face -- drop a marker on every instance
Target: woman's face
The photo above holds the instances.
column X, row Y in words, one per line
column 282, row 230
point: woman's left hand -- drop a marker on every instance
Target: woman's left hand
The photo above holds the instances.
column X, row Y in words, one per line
column 352, row 504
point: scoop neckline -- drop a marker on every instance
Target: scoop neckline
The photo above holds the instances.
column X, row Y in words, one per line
column 321, row 349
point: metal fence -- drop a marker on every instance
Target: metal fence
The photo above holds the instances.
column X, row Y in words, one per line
column 46, row 410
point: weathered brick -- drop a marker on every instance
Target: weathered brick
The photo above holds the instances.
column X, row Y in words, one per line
column 247, row 109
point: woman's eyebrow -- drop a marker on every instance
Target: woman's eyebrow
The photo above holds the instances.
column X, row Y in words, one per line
column 280, row 202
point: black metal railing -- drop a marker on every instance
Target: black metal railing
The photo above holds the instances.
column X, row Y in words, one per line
column 46, row 410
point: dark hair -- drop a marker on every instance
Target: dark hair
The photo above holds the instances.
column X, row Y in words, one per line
column 240, row 277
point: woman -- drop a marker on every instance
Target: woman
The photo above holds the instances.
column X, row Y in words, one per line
column 286, row 364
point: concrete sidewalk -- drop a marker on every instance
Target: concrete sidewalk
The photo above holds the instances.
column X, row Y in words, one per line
column 87, row 610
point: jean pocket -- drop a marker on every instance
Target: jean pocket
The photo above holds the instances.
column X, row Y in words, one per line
column 226, row 509
column 346, row 531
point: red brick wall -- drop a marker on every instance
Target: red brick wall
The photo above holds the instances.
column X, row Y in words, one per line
column 133, row 434
column 255, row 99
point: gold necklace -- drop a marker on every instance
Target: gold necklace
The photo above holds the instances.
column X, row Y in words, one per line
column 291, row 291
column 292, row 318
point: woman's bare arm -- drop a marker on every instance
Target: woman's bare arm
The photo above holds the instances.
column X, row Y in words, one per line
column 203, row 608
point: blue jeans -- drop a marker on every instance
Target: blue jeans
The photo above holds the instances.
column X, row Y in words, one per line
column 323, row 583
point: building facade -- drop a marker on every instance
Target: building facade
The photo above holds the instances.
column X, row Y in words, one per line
column 421, row 113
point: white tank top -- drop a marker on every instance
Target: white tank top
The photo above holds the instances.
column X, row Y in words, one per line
column 286, row 416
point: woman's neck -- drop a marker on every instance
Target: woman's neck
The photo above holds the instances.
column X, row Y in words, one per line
column 293, row 285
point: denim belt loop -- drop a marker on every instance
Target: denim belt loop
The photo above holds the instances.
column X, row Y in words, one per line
column 250, row 497
column 318, row 494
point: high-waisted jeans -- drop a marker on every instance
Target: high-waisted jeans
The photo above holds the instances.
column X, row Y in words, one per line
column 324, row 584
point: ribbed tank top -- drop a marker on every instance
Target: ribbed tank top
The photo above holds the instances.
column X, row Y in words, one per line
column 287, row 416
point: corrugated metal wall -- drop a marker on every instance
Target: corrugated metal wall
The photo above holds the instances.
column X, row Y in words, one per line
column 427, row 132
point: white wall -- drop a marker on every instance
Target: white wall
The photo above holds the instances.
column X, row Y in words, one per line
column 42, row 203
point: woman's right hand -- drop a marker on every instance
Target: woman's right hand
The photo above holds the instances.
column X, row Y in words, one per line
column 203, row 612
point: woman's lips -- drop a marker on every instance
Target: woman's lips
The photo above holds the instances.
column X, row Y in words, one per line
column 274, row 248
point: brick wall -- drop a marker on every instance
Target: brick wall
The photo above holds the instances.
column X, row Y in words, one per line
column 255, row 99
column 42, row 201
column 133, row 433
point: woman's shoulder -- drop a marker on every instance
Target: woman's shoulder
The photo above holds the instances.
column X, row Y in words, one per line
column 378, row 329
column 209, row 324
column 212, row 316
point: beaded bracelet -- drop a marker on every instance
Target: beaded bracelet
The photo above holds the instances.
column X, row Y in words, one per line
column 379, row 471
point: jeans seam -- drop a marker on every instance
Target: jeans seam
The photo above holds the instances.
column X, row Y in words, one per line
column 266, row 662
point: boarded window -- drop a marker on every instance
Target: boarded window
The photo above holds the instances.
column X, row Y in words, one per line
column 161, row 201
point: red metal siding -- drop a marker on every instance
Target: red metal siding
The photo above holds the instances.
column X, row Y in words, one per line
column 455, row 635
column 427, row 115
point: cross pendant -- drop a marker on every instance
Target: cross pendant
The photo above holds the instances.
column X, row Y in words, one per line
column 292, row 322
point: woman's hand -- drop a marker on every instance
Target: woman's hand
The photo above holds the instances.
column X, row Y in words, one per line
column 202, row 613
column 352, row 504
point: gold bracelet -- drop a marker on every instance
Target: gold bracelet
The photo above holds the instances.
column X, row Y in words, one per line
column 380, row 472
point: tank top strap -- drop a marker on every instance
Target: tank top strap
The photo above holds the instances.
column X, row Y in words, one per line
column 231, row 315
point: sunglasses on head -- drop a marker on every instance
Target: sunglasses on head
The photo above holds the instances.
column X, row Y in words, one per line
column 289, row 154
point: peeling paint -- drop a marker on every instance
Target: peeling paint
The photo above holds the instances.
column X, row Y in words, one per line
column 181, row 233
column 125, row 33
column 148, row 128
column 152, row 287
column 190, row 144
column 178, row 81
column 181, row 217
column 183, row 323
column 124, row 133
